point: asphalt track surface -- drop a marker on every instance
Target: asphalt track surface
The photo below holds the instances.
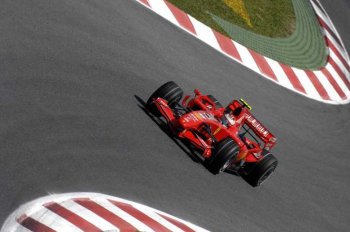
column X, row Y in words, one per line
column 70, row 121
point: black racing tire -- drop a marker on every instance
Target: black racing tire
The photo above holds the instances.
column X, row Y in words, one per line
column 256, row 174
column 169, row 91
column 216, row 102
column 224, row 152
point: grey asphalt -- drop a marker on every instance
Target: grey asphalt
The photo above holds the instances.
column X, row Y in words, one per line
column 70, row 121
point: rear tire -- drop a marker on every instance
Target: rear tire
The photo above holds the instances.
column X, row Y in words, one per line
column 169, row 91
column 259, row 172
column 224, row 152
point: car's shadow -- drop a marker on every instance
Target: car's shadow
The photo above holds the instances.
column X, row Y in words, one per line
column 185, row 146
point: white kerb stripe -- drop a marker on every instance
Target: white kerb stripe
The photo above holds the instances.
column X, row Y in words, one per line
column 279, row 73
column 20, row 229
column 205, row 33
column 327, row 20
column 327, row 86
column 320, row 14
column 337, row 78
column 160, row 7
column 123, row 215
column 338, row 62
column 307, row 84
column 193, row 227
column 159, row 219
column 339, row 48
column 53, row 221
column 246, row 57
column 88, row 215
column 343, row 52
column 317, row 9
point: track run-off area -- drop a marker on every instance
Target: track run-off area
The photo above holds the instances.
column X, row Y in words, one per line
column 72, row 74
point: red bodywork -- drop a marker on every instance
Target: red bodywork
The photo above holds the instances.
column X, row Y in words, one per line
column 204, row 124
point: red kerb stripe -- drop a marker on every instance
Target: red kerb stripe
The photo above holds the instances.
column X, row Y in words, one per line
column 337, row 53
column 227, row 45
column 181, row 17
column 105, row 214
column 319, row 87
column 145, row 2
column 181, row 225
column 339, row 71
column 263, row 65
column 293, row 78
column 333, row 83
column 33, row 225
column 72, row 217
column 140, row 216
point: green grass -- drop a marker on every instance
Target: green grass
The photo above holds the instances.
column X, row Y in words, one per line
column 271, row 18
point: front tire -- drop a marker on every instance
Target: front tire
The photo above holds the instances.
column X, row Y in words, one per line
column 224, row 152
column 259, row 172
column 169, row 91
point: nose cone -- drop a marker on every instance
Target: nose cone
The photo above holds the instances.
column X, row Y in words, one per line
column 189, row 120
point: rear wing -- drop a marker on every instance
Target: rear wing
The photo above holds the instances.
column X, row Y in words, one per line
column 260, row 130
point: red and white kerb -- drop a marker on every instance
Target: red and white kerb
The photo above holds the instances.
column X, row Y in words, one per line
column 92, row 212
column 330, row 84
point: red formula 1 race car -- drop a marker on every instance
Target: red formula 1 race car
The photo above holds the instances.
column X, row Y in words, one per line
column 229, row 138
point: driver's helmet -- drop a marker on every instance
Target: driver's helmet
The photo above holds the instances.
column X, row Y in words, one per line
column 228, row 119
